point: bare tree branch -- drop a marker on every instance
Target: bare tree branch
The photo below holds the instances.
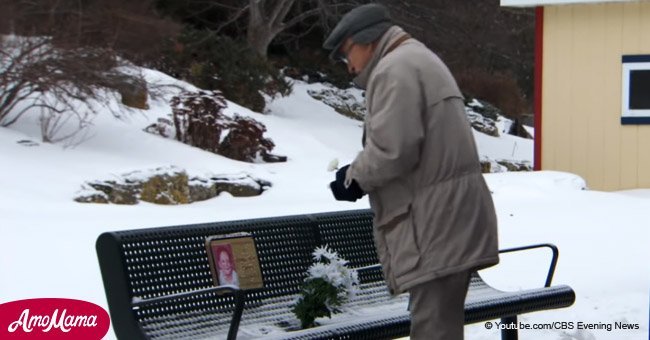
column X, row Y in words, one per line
column 301, row 17
column 63, row 83
column 284, row 11
column 233, row 18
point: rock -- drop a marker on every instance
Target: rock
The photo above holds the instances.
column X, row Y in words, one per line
column 167, row 189
column 341, row 101
column 117, row 193
column 515, row 165
column 482, row 116
column 105, row 187
column 124, row 195
column 27, row 142
column 501, row 165
column 517, row 129
column 98, row 197
column 201, row 190
column 489, row 165
column 486, row 129
column 133, row 91
column 240, row 187
column 168, row 186
column 162, row 127
column 483, row 108
column 238, row 190
column 481, row 123
column 353, row 112
column 486, row 166
column 271, row 158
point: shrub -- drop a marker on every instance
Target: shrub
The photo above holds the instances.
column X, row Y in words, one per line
column 199, row 121
column 196, row 118
column 217, row 62
column 500, row 89
column 65, row 85
column 342, row 101
column 246, row 141
column 313, row 65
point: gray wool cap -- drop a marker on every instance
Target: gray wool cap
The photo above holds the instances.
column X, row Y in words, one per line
column 364, row 24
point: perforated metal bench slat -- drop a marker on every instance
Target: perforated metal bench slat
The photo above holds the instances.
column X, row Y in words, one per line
column 349, row 234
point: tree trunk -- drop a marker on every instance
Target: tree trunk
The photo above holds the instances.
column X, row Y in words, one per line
column 264, row 23
column 259, row 38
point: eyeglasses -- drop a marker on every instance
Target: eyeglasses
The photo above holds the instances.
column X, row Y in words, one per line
column 346, row 52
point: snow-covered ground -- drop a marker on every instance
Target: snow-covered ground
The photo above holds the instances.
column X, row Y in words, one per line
column 47, row 243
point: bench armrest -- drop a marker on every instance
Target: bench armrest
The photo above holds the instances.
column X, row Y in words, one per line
column 551, row 269
column 370, row 267
column 240, row 298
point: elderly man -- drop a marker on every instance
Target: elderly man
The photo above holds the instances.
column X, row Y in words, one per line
column 434, row 217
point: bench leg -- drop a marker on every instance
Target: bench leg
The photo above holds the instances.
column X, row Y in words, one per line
column 236, row 317
column 509, row 332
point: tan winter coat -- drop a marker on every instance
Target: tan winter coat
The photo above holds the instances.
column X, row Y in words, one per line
column 434, row 214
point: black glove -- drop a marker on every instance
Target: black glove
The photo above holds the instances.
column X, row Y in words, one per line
column 341, row 193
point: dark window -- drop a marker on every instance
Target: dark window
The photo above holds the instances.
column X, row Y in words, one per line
column 639, row 90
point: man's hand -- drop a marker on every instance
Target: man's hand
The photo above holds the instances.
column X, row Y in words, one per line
column 352, row 193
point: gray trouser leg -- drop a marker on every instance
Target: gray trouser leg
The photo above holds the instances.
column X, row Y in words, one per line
column 438, row 308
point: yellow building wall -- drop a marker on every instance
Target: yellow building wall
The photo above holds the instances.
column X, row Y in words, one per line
column 581, row 93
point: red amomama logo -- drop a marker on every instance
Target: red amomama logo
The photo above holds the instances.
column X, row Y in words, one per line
column 52, row 319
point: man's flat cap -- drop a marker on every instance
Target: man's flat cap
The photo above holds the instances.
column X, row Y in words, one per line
column 364, row 24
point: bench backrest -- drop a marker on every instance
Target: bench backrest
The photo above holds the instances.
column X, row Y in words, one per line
column 149, row 263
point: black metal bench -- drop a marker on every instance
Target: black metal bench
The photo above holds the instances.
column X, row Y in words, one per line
column 159, row 286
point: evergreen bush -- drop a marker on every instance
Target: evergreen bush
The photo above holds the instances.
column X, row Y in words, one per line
column 219, row 62
column 313, row 65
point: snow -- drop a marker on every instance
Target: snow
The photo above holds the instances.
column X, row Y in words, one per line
column 530, row 130
column 47, row 248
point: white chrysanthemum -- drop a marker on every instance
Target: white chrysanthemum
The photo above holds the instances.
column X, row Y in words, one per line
column 333, row 271
column 318, row 270
column 333, row 165
column 335, row 278
column 324, row 252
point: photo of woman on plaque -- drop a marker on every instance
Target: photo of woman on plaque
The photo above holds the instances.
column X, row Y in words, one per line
column 226, row 265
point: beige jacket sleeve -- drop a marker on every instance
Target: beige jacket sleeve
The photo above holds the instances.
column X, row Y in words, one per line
column 394, row 129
